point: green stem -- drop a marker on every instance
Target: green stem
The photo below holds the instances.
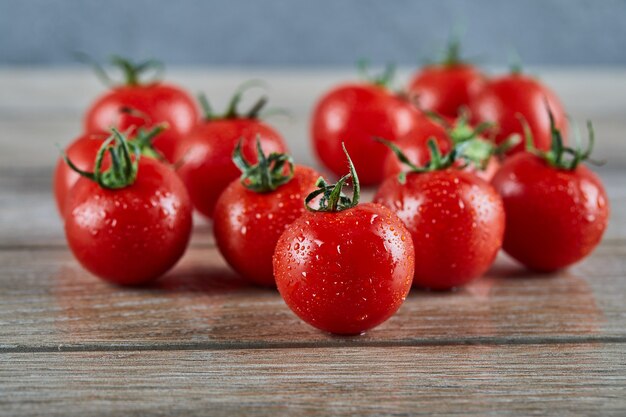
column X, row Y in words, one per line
column 268, row 173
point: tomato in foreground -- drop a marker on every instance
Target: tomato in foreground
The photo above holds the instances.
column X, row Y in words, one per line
column 206, row 152
column 151, row 103
column 344, row 268
column 506, row 100
column 131, row 223
column 254, row 211
column 354, row 114
column 456, row 219
column 448, row 86
column 83, row 152
column 556, row 208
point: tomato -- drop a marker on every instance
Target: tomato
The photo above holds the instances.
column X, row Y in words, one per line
column 345, row 268
column 503, row 100
column 83, row 151
column 250, row 215
column 448, row 86
column 556, row 209
column 354, row 114
column 152, row 103
column 128, row 225
column 207, row 168
column 456, row 221
column 415, row 146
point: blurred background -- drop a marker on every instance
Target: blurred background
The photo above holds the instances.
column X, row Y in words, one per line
column 306, row 33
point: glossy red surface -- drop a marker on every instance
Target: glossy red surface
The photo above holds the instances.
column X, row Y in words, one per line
column 345, row 272
column 131, row 235
column 502, row 99
column 207, row 167
column 554, row 217
column 82, row 152
column 247, row 224
column 158, row 102
column 446, row 88
column 354, row 114
column 456, row 221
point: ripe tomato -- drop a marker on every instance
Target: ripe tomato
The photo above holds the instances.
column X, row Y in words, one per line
column 556, row 209
column 415, row 146
column 456, row 221
column 252, row 213
column 152, row 103
column 354, row 114
column 206, row 152
column 131, row 224
column 448, row 86
column 503, row 100
column 344, row 268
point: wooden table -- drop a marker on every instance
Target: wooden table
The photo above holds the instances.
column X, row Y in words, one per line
column 201, row 342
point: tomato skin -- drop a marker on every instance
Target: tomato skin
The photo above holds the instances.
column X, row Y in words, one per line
column 554, row 217
column 206, row 153
column 82, row 152
column 354, row 114
column 502, row 99
column 159, row 102
column 444, row 89
column 131, row 235
column 246, row 222
column 345, row 272
column 456, row 221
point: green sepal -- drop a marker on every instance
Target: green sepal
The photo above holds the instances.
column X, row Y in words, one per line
column 332, row 197
column 232, row 109
column 268, row 173
column 132, row 71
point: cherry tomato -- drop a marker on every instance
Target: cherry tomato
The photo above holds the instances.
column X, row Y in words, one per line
column 503, row 100
column 456, row 221
column 347, row 268
column 448, row 86
column 150, row 104
column 207, row 168
column 354, row 114
column 556, row 209
column 131, row 225
column 251, row 214
column 82, row 151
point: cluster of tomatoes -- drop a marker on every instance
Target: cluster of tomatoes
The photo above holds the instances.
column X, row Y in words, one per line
column 464, row 164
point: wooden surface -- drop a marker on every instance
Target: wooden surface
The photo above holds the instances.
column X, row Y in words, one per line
column 202, row 342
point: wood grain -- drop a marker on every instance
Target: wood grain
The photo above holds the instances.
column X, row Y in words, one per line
column 584, row 379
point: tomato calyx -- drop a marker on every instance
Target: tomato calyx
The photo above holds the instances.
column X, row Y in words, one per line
column 560, row 156
column 232, row 111
column 332, row 198
column 125, row 157
column 268, row 173
column 384, row 79
column 132, row 71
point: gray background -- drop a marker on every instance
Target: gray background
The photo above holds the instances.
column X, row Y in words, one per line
column 300, row 33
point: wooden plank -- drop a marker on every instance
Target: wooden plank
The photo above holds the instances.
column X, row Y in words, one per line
column 587, row 379
column 49, row 303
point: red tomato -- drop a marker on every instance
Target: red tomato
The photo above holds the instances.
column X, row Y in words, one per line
column 554, row 217
column 249, row 222
column 82, row 152
column 456, row 221
column 448, row 86
column 502, row 101
column 152, row 103
column 131, row 234
column 354, row 114
column 344, row 268
column 206, row 152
